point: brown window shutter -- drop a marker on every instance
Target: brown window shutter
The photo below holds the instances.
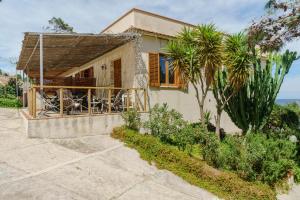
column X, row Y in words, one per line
column 179, row 81
column 154, row 69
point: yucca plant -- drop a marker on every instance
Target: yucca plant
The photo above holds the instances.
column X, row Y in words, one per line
column 184, row 57
column 197, row 54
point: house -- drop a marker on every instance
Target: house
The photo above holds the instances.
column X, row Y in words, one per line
column 128, row 55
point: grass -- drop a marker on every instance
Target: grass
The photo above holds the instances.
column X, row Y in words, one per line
column 226, row 185
column 10, row 103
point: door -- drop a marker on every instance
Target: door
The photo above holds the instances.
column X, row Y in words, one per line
column 117, row 75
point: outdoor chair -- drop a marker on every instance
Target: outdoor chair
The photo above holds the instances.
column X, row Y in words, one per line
column 50, row 105
column 117, row 102
column 70, row 103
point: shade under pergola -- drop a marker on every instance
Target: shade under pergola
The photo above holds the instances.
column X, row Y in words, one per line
column 62, row 52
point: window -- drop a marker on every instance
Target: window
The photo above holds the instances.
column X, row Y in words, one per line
column 167, row 72
column 162, row 73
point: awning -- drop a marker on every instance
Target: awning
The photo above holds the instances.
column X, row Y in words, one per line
column 62, row 52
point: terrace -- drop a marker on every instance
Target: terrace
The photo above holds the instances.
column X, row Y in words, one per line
column 58, row 88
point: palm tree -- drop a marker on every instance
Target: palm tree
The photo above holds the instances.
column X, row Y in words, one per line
column 233, row 76
column 209, row 51
column 197, row 54
column 184, row 56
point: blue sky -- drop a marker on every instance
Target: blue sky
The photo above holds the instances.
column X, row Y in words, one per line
column 91, row 16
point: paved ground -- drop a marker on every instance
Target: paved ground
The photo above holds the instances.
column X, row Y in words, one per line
column 96, row 167
column 293, row 194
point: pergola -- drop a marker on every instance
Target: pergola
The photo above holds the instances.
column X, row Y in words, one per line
column 52, row 54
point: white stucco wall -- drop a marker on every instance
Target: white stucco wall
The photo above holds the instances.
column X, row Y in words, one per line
column 146, row 21
column 157, row 24
column 183, row 101
column 121, row 24
column 104, row 77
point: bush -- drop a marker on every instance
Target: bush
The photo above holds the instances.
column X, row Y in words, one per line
column 296, row 171
column 254, row 157
column 10, row 89
column 164, row 123
column 211, row 149
column 187, row 137
column 169, row 126
column 230, row 153
column 132, row 119
column 283, row 121
column 225, row 184
column 10, row 103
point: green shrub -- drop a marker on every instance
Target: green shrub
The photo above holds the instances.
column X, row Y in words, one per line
column 251, row 157
column 224, row 184
column 230, row 153
column 296, row 171
column 254, row 157
column 164, row 122
column 10, row 88
column 10, row 103
column 132, row 119
column 211, row 149
column 283, row 121
column 186, row 137
column 275, row 171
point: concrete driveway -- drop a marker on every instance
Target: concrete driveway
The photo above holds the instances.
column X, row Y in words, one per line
column 95, row 167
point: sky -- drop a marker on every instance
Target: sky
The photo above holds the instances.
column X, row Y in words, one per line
column 91, row 16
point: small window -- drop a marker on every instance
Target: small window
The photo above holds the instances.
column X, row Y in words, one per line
column 167, row 73
column 162, row 72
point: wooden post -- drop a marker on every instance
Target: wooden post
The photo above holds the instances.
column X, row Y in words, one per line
column 128, row 99
column 61, row 102
column 136, row 104
column 34, row 102
column 89, row 101
column 145, row 100
column 41, row 71
column 29, row 101
column 109, row 101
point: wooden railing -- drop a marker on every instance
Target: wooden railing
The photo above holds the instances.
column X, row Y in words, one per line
column 96, row 100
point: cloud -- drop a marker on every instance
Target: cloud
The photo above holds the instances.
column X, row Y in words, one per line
column 91, row 16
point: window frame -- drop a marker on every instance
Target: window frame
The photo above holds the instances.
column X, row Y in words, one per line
column 167, row 84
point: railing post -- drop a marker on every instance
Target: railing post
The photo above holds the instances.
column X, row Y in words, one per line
column 29, row 101
column 109, row 100
column 127, row 102
column 61, row 102
column 89, row 101
column 34, row 102
column 145, row 100
column 136, row 104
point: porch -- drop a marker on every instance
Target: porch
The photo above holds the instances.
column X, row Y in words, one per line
column 69, row 89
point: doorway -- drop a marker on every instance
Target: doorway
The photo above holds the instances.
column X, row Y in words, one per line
column 117, row 75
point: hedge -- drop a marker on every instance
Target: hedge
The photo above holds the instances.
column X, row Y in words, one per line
column 224, row 184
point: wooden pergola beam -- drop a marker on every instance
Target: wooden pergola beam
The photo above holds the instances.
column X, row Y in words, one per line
column 61, row 52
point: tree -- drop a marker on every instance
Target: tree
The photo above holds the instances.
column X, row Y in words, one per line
column 280, row 25
column 209, row 52
column 58, row 25
column 197, row 54
column 184, row 56
column 234, row 74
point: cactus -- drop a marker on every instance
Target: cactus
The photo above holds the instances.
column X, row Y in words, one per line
column 250, row 108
